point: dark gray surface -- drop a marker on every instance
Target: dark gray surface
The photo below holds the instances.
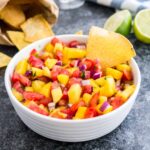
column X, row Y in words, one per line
column 132, row 134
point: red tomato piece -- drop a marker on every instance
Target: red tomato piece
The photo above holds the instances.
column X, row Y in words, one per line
column 91, row 112
column 44, row 79
column 64, row 71
column 69, row 113
column 33, row 52
column 73, row 44
column 24, row 80
column 87, row 74
column 18, row 86
column 127, row 75
column 58, row 55
column 55, row 85
column 89, row 63
column 76, row 74
column 116, row 102
column 34, row 107
column 94, row 100
column 36, row 62
column 15, row 77
column 65, row 94
column 75, row 106
column 45, row 101
column 73, row 81
column 33, row 96
column 55, row 40
column 87, row 89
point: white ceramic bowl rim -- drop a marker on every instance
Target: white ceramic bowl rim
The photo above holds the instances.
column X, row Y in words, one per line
column 8, row 88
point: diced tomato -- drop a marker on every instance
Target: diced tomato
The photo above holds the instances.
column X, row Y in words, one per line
column 65, row 94
column 116, row 102
column 76, row 74
column 89, row 63
column 69, row 113
column 21, row 78
column 33, row 96
column 35, row 62
column 87, row 74
column 73, row 44
column 18, row 86
column 15, row 77
column 34, row 107
column 127, row 75
column 45, row 101
column 74, row 81
column 58, row 55
column 55, row 72
column 91, row 112
column 55, row 40
column 33, row 52
column 75, row 106
column 64, row 71
column 62, row 102
column 44, row 79
column 94, row 100
column 24, row 80
column 87, row 89
column 55, row 85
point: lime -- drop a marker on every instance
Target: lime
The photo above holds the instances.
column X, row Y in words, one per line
column 119, row 22
column 141, row 26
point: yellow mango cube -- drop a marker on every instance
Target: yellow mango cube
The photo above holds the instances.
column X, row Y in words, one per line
column 71, row 70
column 56, row 94
column 18, row 95
column 21, row 67
column 74, row 93
column 46, row 72
column 50, row 63
column 45, row 90
column 87, row 97
column 58, row 46
column 49, row 48
column 63, row 79
column 122, row 67
column 80, row 113
column 114, row 73
column 102, row 99
column 37, row 85
column 36, row 72
column 29, row 89
column 126, row 93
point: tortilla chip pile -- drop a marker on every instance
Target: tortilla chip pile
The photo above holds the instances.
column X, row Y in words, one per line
column 23, row 24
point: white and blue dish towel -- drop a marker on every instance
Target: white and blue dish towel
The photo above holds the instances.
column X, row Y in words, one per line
column 132, row 5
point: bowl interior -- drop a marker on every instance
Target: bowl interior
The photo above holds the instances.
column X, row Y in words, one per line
column 39, row 45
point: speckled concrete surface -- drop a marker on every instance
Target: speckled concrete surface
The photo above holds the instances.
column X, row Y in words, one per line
column 132, row 134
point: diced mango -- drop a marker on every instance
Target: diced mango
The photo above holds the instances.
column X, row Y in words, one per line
column 21, row 67
column 29, row 89
column 127, row 92
column 36, row 72
column 107, row 86
column 63, row 79
column 56, row 94
column 87, row 97
column 114, row 73
column 102, row 99
column 80, row 113
column 46, row 72
column 49, row 47
column 26, row 103
column 58, row 46
column 74, row 93
column 37, row 85
column 18, row 95
column 122, row 67
column 50, row 63
column 45, row 90
column 94, row 83
column 71, row 70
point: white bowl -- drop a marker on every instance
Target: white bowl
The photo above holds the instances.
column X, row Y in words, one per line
column 68, row 130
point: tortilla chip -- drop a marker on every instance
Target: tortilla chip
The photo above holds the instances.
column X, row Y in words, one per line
column 12, row 15
column 79, row 32
column 111, row 48
column 17, row 39
column 4, row 60
column 36, row 28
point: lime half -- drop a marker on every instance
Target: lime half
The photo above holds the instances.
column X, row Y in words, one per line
column 119, row 22
column 141, row 26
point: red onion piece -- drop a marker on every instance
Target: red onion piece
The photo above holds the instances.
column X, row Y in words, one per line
column 28, row 73
column 96, row 75
column 104, row 106
column 83, row 67
column 59, row 63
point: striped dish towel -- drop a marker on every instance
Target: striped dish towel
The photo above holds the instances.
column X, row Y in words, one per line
column 132, row 5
